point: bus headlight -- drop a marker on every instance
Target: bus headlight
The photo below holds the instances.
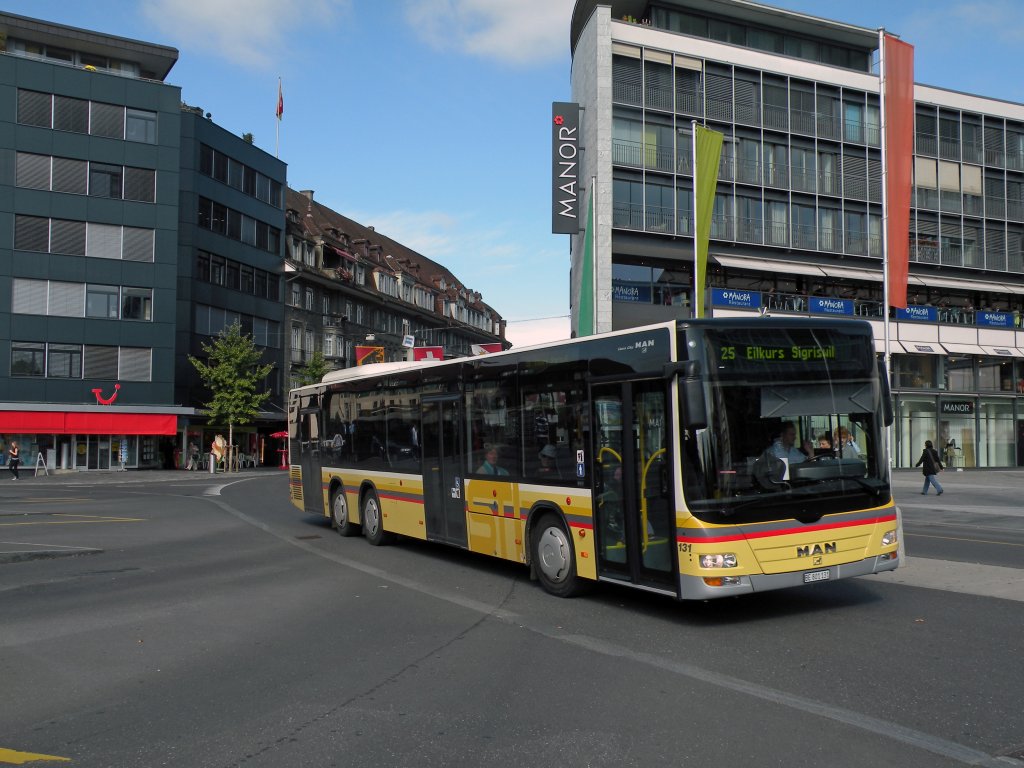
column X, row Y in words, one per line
column 889, row 538
column 718, row 561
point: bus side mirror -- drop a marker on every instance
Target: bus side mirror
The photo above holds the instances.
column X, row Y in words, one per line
column 695, row 409
column 888, row 416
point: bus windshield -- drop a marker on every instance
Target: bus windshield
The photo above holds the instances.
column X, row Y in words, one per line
column 794, row 424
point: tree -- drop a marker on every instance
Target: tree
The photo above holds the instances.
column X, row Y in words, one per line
column 232, row 373
column 314, row 370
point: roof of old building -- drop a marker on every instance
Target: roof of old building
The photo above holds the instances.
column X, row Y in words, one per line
column 347, row 236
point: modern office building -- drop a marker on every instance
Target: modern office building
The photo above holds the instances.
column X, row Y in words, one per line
column 797, row 223
column 230, row 248
column 349, row 286
column 89, row 140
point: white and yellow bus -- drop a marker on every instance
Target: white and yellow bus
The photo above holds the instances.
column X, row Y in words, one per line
column 656, row 457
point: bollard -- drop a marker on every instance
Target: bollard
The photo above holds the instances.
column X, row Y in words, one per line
column 213, row 463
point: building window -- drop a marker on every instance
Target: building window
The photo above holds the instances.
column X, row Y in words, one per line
column 28, row 359
column 106, row 120
column 106, row 180
column 140, row 126
column 64, row 361
column 137, row 303
column 102, row 301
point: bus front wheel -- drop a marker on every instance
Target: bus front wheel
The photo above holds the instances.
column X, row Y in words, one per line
column 339, row 514
column 554, row 559
column 373, row 521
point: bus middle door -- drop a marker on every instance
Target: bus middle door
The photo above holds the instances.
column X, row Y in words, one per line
column 634, row 511
column 309, row 460
column 443, row 476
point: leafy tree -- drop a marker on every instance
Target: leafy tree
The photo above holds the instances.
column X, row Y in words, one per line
column 232, row 373
column 314, row 370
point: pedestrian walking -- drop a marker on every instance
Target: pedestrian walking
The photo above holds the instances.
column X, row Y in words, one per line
column 13, row 459
column 930, row 465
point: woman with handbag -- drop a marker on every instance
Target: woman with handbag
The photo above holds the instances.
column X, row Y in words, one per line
column 930, row 466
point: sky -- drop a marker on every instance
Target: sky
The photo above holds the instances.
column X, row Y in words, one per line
column 430, row 119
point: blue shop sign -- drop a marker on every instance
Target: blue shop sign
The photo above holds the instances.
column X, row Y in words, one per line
column 994, row 319
column 640, row 294
column 822, row 306
column 730, row 297
column 925, row 314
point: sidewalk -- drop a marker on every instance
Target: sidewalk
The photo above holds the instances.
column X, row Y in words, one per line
column 115, row 477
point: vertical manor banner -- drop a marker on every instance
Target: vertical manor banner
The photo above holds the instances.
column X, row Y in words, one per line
column 565, row 168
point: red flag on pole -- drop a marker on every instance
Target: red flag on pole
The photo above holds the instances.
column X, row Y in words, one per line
column 898, row 96
column 280, row 99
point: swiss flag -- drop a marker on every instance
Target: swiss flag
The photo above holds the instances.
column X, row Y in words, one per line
column 428, row 353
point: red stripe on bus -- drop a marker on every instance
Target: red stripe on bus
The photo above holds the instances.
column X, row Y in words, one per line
column 393, row 497
column 783, row 531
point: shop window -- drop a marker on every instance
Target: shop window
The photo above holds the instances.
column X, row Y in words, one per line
column 959, row 374
column 917, row 371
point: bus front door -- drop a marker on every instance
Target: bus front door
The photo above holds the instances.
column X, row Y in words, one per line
column 633, row 509
column 443, row 482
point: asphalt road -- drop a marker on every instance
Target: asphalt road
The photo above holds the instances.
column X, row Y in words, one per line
column 212, row 624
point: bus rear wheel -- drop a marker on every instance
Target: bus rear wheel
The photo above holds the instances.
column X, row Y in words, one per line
column 373, row 521
column 554, row 558
column 339, row 514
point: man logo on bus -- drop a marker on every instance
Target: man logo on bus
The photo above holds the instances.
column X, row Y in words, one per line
column 829, row 548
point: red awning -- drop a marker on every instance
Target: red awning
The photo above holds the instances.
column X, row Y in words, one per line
column 74, row 423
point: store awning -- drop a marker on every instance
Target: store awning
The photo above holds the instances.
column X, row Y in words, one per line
column 851, row 273
column 76, row 423
column 1002, row 351
column 934, row 281
column 963, row 349
column 895, row 348
column 922, row 347
column 774, row 266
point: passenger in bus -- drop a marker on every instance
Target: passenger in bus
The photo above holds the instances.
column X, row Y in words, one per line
column 490, row 465
column 848, row 447
column 784, row 446
column 547, row 457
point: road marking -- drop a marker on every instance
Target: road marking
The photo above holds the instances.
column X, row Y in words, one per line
column 909, row 736
column 11, row 757
column 961, row 538
column 84, row 520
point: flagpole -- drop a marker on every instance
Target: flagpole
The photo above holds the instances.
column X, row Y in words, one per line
column 696, row 247
column 278, row 112
column 886, row 286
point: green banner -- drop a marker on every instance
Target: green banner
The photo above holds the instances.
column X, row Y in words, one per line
column 705, row 176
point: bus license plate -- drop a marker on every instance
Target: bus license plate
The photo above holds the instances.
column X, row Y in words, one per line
column 816, row 576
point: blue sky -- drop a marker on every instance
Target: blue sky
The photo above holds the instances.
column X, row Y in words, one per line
column 429, row 119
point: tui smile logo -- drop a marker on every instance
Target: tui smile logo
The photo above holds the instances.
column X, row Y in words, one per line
column 100, row 399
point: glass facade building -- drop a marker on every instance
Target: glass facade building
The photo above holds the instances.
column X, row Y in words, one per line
column 797, row 224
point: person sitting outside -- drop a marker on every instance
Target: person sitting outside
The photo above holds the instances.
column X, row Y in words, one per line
column 784, row 446
column 490, row 465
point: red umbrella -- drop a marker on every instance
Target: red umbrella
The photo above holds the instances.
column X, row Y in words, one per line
column 283, row 451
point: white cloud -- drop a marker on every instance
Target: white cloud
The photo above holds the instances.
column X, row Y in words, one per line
column 251, row 33
column 522, row 32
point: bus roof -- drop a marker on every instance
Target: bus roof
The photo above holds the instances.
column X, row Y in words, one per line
column 377, row 369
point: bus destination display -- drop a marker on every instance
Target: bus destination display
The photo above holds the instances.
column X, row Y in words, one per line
column 763, row 353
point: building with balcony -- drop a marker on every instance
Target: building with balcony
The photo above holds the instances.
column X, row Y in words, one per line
column 797, row 221
column 347, row 285
column 88, row 259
